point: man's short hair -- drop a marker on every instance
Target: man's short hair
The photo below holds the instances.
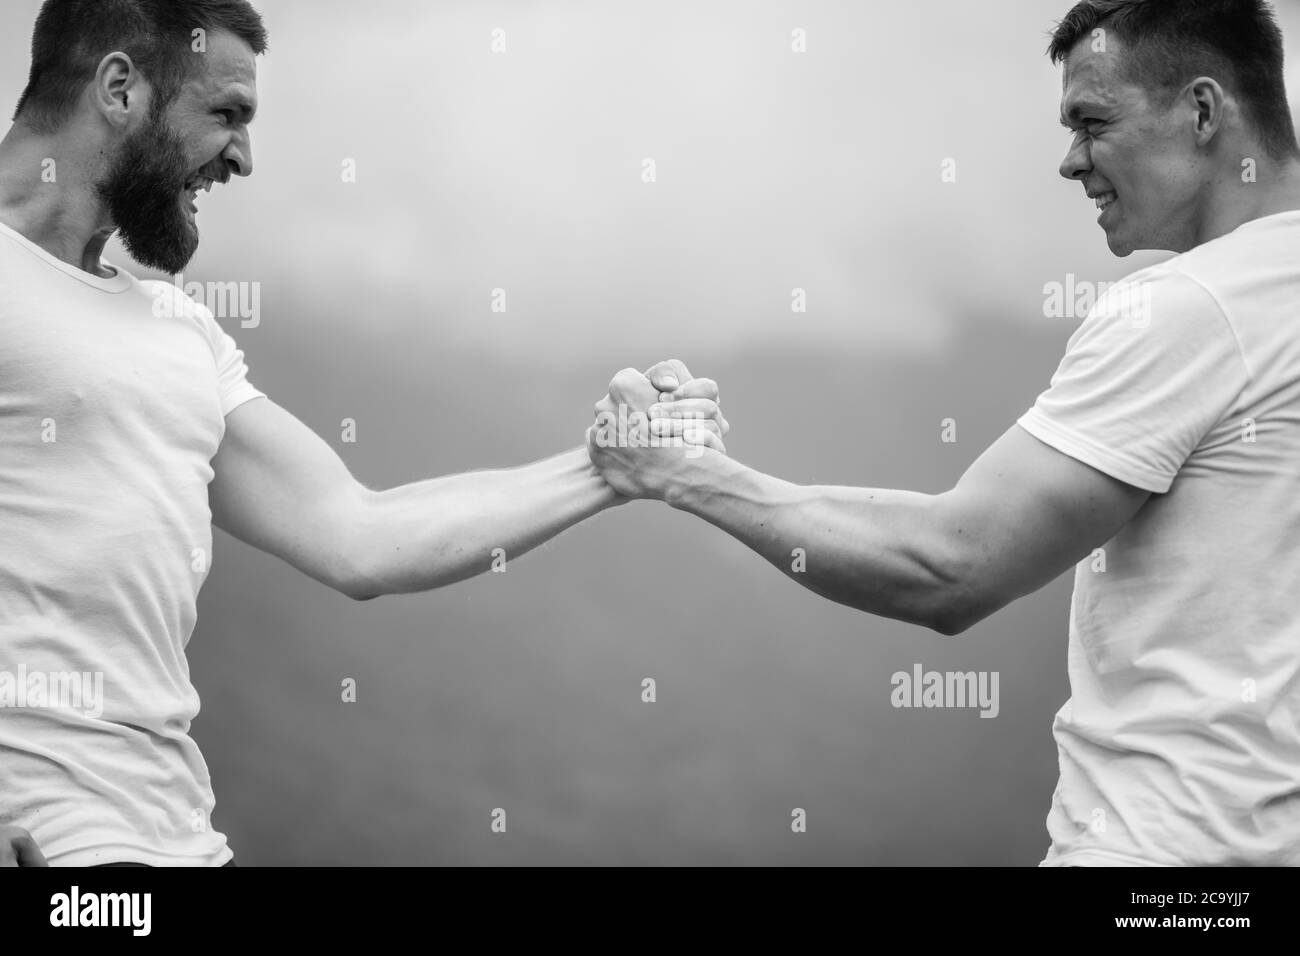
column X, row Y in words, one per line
column 72, row 37
column 1168, row 43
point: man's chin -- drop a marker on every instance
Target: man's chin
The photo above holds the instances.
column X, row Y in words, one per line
column 1120, row 247
column 171, row 257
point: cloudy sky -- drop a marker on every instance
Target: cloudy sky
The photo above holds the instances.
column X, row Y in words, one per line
column 775, row 170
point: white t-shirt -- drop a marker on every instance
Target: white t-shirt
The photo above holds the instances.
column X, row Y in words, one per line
column 1180, row 743
column 113, row 394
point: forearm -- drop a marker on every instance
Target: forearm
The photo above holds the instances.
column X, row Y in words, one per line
column 884, row 552
column 432, row 533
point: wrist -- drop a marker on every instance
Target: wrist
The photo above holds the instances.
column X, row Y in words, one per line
column 694, row 479
column 602, row 495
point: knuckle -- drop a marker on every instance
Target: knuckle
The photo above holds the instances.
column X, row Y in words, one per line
column 625, row 380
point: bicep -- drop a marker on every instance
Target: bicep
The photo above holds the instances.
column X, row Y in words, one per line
column 279, row 487
column 1023, row 513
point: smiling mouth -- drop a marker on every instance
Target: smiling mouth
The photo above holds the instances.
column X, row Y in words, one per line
column 1105, row 200
column 192, row 188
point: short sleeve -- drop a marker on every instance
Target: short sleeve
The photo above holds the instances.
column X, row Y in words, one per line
column 1151, row 371
column 233, row 385
column 232, row 373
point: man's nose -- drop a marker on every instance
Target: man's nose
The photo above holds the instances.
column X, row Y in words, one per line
column 1078, row 161
column 238, row 156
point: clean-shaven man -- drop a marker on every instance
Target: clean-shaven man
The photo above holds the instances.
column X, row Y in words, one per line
column 128, row 425
column 1169, row 439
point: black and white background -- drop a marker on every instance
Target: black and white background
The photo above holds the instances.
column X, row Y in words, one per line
column 419, row 165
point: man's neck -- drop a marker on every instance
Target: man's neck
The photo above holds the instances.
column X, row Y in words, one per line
column 1267, row 189
column 46, row 196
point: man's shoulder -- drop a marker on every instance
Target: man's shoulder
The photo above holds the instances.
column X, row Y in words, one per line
column 1165, row 295
column 1268, row 244
column 171, row 301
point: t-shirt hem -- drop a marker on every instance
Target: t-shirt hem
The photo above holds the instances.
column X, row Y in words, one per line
column 127, row 853
column 1096, row 858
column 1079, row 448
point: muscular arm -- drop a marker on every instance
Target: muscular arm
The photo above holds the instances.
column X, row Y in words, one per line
column 281, row 488
column 1021, row 515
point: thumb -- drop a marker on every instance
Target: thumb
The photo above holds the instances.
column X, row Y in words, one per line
column 668, row 375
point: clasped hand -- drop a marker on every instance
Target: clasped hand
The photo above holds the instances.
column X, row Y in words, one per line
column 652, row 425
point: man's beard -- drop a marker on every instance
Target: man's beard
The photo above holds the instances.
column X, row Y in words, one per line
column 142, row 192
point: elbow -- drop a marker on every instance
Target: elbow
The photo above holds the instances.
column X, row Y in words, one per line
column 359, row 582
column 357, row 586
column 949, row 621
column 956, row 599
column 356, row 571
column 958, row 607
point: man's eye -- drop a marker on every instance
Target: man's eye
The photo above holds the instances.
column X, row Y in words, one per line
column 227, row 116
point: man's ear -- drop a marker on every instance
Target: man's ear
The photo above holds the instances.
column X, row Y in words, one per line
column 119, row 92
column 1208, row 100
